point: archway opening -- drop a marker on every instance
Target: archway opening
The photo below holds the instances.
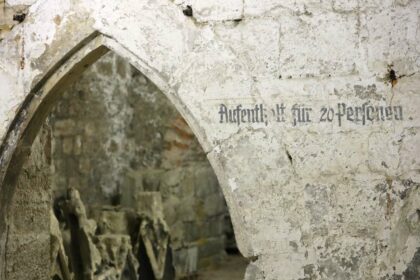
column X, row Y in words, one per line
column 132, row 192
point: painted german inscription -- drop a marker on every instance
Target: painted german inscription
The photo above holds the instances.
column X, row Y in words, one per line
column 300, row 114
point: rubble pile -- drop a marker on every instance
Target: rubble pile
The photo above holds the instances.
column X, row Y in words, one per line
column 109, row 242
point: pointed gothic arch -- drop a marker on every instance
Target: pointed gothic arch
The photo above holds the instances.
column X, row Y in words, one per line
column 74, row 44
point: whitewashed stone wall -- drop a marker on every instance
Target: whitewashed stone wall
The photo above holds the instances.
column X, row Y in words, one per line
column 318, row 199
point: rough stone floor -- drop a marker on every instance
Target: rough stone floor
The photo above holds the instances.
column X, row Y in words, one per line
column 232, row 269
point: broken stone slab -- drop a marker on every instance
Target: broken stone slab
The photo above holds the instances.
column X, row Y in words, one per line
column 149, row 204
column 111, row 220
column 59, row 260
column 85, row 257
column 117, row 254
column 153, row 245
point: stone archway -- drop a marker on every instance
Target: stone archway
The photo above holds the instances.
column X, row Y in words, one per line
column 120, row 143
column 54, row 60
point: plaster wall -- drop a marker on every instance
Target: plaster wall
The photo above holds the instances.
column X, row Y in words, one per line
column 315, row 196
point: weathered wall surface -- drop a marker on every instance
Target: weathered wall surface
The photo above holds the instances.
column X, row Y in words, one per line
column 90, row 126
column 28, row 233
column 115, row 135
column 322, row 186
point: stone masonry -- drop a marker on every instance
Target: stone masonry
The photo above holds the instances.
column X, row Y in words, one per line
column 307, row 111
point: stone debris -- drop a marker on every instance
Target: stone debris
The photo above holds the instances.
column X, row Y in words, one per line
column 116, row 243
column 85, row 257
column 59, row 260
column 154, row 239
column 117, row 257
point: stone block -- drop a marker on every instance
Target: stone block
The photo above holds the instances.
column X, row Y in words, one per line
column 187, row 186
column 172, row 177
column 210, row 262
column 208, row 228
column 6, row 19
column 386, row 163
column 192, row 231
column 187, row 209
column 320, row 44
column 177, row 232
column 122, row 66
column 270, row 7
column 105, row 67
column 211, row 247
column 74, row 182
column 61, row 109
column 110, row 220
column 275, row 7
column 260, row 7
column 391, row 37
column 214, row 205
column 345, row 5
column 19, row 2
column 377, row 4
column 65, row 127
column 171, row 210
column 185, row 261
column 33, row 189
column 410, row 150
column 256, row 43
column 253, row 272
column 212, row 227
column 67, row 143
column 127, row 192
column 339, row 153
column 149, row 203
column 85, row 165
column 217, row 10
column 30, row 249
column 77, row 145
column 204, row 184
column 135, row 180
column 30, row 218
column 90, row 129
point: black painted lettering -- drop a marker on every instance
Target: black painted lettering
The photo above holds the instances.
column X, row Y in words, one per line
column 341, row 111
column 369, row 113
column 223, row 113
column 323, row 115
column 380, row 115
column 280, row 112
column 243, row 115
column 250, row 114
column 398, row 112
column 330, row 114
column 256, row 113
column 359, row 112
column 350, row 114
column 388, row 113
